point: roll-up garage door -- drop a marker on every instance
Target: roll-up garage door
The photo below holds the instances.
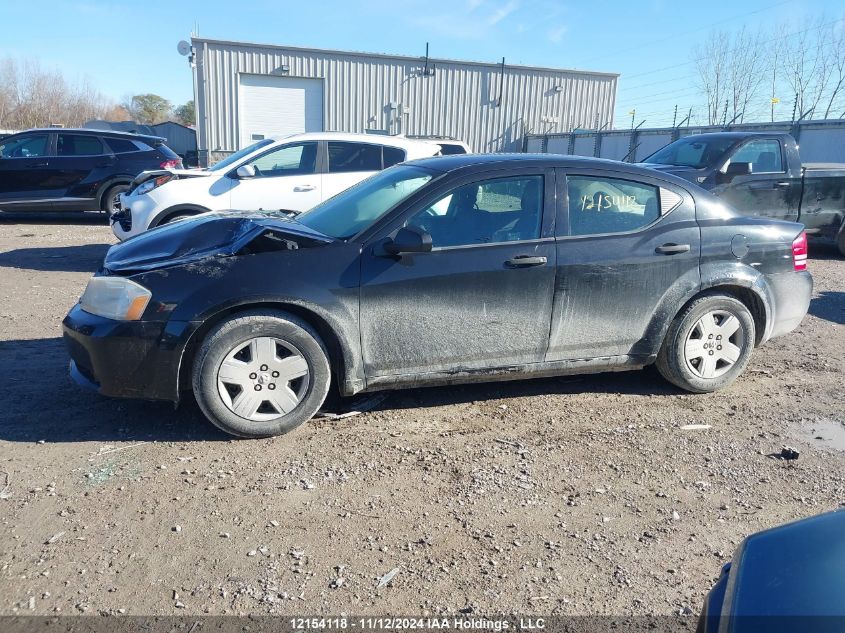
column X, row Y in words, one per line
column 277, row 106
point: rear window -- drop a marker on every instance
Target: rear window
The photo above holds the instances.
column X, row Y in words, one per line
column 121, row 145
column 78, row 145
column 166, row 151
column 347, row 157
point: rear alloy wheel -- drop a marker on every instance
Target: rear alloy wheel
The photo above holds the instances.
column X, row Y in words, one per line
column 261, row 374
column 111, row 199
column 708, row 345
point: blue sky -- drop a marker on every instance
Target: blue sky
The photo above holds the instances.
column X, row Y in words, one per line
column 130, row 47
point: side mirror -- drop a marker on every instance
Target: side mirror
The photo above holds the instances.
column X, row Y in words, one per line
column 736, row 169
column 245, row 171
column 409, row 239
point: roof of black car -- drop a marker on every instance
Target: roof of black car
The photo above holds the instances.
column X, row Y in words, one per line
column 88, row 130
column 458, row 161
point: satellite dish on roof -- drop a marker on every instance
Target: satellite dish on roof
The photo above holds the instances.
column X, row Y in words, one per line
column 184, row 48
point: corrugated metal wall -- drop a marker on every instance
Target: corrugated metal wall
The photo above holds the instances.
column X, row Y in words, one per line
column 382, row 92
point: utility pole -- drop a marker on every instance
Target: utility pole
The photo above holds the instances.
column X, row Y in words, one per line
column 675, row 118
column 633, row 113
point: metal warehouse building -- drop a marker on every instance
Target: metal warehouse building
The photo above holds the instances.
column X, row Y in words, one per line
column 246, row 92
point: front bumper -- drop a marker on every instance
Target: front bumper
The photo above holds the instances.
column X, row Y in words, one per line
column 133, row 216
column 792, row 293
column 126, row 359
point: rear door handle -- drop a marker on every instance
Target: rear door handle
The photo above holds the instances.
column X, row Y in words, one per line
column 525, row 261
column 672, row 249
column 304, row 188
column 782, row 185
column 38, row 165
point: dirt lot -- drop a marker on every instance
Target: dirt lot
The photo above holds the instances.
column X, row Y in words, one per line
column 566, row 496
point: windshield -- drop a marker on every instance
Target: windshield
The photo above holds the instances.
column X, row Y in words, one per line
column 353, row 210
column 691, row 152
column 234, row 158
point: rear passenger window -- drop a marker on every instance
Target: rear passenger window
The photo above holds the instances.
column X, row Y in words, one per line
column 78, row 145
column 393, row 156
column 345, row 157
column 608, row 205
column 121, row 146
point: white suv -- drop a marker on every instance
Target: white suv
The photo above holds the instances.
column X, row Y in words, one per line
column 293, row 173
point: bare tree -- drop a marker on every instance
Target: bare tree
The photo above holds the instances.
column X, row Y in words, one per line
column 33, row 97
column 711, row 61
column 807, row 64
column 731, row 69
column 836, row 48
column 747, row 70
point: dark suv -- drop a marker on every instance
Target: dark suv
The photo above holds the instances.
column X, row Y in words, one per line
column 59, row 169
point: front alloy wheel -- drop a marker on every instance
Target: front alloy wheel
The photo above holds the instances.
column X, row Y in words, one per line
column 261, row 373
column 262, row 379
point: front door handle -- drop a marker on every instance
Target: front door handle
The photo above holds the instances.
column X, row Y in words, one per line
column 525, row 261
column 304, row 188
column 782, row 184
column 672, row 249
column 37, row 165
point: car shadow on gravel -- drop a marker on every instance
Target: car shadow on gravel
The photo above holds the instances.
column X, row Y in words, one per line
column 70, row 259
column 646, row 382
column 830, row 306
column 64, row 217
column 40, row 403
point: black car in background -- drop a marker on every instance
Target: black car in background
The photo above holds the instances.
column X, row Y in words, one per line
column 63, row 169
column 437, row 271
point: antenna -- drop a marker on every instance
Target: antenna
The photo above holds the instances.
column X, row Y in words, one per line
column 184, row 48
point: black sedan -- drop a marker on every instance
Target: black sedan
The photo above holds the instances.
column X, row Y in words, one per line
column 444, row 270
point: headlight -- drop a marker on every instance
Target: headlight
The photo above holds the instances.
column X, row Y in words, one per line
column 115, row 298
column 149, row 185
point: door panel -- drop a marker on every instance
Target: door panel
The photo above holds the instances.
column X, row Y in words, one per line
column 80, row 164
column 769, row 191
column 477, row 306
column 26, row 175
column 610, row 286
column 286, row 178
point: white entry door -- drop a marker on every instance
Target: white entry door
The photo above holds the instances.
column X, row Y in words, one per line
column 271, row 106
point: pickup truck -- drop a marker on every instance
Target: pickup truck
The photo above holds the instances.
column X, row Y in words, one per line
column 760, row 173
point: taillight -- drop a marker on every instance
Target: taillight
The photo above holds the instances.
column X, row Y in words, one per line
column 173, row 163
column 799, row 252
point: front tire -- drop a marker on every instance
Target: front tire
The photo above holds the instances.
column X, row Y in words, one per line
column 261, row 374
column 708, row 344
column 840, row 241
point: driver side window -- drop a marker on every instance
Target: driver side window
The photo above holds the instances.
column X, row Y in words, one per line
column 30, row 146
column 489, row 211
column 289, row 160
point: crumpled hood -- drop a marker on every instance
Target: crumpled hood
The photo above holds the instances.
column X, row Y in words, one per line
column 215, row 234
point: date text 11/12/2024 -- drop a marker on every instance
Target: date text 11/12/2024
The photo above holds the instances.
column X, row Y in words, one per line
column 416, row 623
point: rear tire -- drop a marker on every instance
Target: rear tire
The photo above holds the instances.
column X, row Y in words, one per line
column 108, row 203
column 840, row 241
column 260, row 374
column 708, row 344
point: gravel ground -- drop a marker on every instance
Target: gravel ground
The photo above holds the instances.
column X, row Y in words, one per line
column 581, row 495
